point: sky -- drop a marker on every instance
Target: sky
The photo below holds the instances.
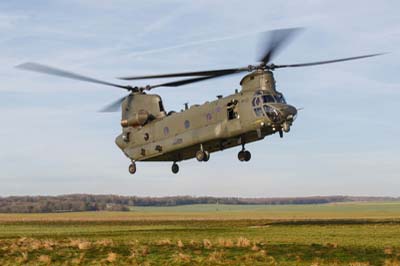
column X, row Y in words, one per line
column 54, row 141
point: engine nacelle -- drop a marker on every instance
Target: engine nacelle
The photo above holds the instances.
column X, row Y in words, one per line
column 136, row 119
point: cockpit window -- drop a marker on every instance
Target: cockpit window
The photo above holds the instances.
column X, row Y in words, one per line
column 268, row 98
column 279, row 97
column 256, row 101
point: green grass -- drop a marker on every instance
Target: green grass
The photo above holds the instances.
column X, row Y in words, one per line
column 333, row 234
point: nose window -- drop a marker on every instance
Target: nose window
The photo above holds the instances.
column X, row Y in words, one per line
column 258, row 111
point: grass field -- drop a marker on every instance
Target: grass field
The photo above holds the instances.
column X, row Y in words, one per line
column 332, row 234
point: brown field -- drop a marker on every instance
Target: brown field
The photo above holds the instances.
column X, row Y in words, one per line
column 332, row 234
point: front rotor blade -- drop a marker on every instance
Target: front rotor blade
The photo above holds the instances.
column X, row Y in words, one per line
column 189, row 74
column 326, row 62
column 65, row 74
column 272, row 41
column 114, row 106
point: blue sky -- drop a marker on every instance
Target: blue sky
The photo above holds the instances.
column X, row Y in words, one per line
column 53, row 140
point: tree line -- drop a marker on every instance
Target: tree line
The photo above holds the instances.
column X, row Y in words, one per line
column 86, row 202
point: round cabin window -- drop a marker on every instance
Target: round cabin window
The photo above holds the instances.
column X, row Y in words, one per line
column 187, row 124
column 166, row 131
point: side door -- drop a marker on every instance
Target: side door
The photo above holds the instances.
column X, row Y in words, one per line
column 234, row 125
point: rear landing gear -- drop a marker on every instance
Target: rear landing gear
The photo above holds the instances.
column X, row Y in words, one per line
column 175, row 168
column 132, row 168
column 202, row 155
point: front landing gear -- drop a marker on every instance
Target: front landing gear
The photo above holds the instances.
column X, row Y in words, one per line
column 175, row 168
column 132, row 168
column 244, row 155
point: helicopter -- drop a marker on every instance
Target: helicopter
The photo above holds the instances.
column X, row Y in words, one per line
column 150, row 133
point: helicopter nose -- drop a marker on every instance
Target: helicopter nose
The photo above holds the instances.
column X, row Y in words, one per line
column 283, row 115
column 288, row 112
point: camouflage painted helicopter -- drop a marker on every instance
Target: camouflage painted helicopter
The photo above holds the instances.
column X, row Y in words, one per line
column 150, row 133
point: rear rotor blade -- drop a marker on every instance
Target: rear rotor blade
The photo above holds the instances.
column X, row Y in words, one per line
column 189, row 74
column 326, row 62
column 35, row 67
column 271, row 42
column 186, row 81
column 182, row 82
column 114, row 106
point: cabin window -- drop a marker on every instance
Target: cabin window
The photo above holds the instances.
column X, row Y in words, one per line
column 187, row 124
column 166, row 131
column 161, row 106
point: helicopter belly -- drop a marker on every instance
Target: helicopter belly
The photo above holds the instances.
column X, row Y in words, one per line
column 175, row 145
column 212, row 145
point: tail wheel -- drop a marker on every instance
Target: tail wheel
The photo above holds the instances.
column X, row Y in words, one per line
column 132, row 168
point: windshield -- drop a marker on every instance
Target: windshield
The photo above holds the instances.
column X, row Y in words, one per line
column 268, row 98
column 280, row 99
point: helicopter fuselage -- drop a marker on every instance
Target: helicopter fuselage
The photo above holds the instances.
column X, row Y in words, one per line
column 244, row 117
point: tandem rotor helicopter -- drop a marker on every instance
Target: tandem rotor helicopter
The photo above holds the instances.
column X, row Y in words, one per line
column 150, row 133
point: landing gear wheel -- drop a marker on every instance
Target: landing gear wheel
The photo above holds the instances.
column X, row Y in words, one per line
column 206, row 157
column 132, row 168
column 244, row 156
column 241, row 156
column 247, row 156
column 200, row 155
column 175, row 168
